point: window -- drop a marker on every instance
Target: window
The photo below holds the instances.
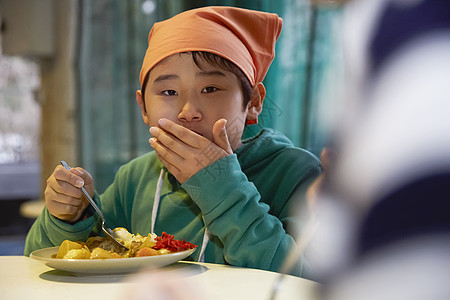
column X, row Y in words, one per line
column 20, row 115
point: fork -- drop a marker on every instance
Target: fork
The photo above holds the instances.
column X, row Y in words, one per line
column 107, row 230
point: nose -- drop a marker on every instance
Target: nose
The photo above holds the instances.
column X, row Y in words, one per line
column 190, row 112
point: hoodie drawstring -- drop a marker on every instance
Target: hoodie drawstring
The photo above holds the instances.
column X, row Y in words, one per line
column 157, row 198
column 201, row 256
column 155, row 213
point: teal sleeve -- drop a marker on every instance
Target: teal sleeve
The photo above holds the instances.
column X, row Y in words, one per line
column 233, row 212
column 49, row 231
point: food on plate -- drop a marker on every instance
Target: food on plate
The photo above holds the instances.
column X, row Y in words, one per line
column 103, row 248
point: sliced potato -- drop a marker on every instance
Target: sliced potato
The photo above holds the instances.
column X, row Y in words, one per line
column 99, row 253
column 146, row 251
column 163, row 251
column 66, row 246
column 82, row 253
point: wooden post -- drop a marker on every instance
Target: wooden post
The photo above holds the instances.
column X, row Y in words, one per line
column 59, row 115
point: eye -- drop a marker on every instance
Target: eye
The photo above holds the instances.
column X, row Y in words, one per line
column 209, row 89
column 169, row 93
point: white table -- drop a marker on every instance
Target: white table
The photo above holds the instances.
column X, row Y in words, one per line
column 25, row 278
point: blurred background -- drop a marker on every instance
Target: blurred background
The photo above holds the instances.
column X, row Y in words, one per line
column 68, row 75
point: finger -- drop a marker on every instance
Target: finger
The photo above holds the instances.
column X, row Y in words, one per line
column 62, row 211
column 169, row 141
column 182, row 133
column 55, row 196
column 220, row 137
column 63, row 187
column 165, row 153
column 62, row 206
column 87, row 178
column 62, row 174
column 171, row 168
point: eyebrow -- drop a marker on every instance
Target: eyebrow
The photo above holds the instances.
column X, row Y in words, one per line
column 199, row 74
column 165, row 77
column 210, row 73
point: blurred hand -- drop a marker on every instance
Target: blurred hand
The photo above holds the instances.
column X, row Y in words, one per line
column 184, row 152
column 63, row 195
column 327, row 156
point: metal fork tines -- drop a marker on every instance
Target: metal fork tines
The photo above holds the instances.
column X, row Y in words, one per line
column 107, row 230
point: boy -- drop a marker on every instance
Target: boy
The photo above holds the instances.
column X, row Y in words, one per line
column 201, row 82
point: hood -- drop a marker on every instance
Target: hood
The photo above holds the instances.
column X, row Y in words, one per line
column 263, row 146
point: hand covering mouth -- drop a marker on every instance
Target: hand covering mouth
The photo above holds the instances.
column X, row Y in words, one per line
column 194, row 130
column 197, row 132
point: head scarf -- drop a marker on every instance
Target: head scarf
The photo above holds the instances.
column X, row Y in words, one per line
column 245, row 37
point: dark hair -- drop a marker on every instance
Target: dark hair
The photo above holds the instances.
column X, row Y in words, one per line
column 219, row 62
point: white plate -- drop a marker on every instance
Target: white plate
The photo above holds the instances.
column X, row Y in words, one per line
column 107, row 266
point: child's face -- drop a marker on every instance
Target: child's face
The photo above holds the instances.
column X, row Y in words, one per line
column 195, row 98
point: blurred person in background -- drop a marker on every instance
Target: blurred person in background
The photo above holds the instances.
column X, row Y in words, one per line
column 384, row 203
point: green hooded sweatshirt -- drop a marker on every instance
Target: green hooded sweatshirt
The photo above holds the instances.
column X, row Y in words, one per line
column 245, row 201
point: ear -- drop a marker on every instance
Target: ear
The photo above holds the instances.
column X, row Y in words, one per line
column 256, row 103
column 141, row 102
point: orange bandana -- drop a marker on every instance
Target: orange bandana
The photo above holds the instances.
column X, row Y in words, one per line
column 245, row 37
